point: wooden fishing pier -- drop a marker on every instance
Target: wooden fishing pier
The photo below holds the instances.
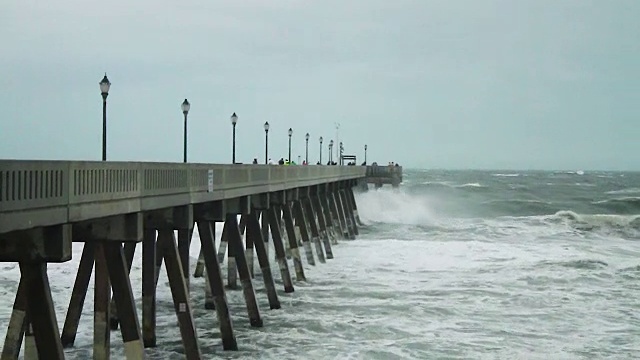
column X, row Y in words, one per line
column 111, row 207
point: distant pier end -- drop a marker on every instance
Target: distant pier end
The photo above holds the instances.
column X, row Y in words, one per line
column 381, row 175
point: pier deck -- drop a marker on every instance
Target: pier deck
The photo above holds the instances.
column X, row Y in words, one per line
column 111, row 207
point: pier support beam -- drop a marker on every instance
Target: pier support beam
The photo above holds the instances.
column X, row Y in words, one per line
column 328, row 215
column 41, row 311
column 78, row 295
column 315, row 233
column 101, row 298
column 149, row 278
column 272, row 217
column 354, row 205
column 129, row 253
column 316, row 207
column 123, row 296
column 342, row 209
column 17, row 324
column 293, row 242
column 301, row 221
column 167, row 241
column 351, row 220
column 336, row 207
column 254, row 234
column 215, row 283
column 235, row 246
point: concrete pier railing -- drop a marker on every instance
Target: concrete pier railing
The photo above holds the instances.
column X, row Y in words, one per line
column 43, row 193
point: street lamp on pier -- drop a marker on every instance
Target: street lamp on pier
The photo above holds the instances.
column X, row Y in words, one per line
column 185, row 110
column 266, row 142
column 365, row 154
column 306, row 149
column 331, row 152
column 290, row 133
column 234, row 121
column 104, row 89
column 321, row 150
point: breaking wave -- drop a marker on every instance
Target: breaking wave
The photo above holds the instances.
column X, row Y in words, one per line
column 624, row 224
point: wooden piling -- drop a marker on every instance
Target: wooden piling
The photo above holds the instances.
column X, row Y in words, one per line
column 232, row 268
column 249, row 243
column 316, row 207
column 293, row 242
column 272, row 218
column 78, row 295
column 101, row 297
column 184, row 243
column 331, row 227
column 216, row 285
column 304, row 232
column 310, row 215
column 254, row 233
column 149, row 287
column 129, row 253
column 235, row 247
column 345, row 213
column 354, row 205
column 182, row 305
column 350, row 212
column 30, row 347
column 119, row 269
column 337, row 214
column 341, row 216
column 264, row 226
column 199, row 271
column 41, row 311
column 17, row 322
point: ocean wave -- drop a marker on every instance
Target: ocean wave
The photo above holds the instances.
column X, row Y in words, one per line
column 624, row 191
column 506, row 175
column 477, row 185
column 588, row 264
column 520, row 207
column 625, row 224
column 624, row 205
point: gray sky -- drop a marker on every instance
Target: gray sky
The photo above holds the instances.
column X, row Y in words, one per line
column 450, row 84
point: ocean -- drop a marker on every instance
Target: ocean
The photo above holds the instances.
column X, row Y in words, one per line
column 450, row 265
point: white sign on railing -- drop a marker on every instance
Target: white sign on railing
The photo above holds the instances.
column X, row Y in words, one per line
column 210, row 183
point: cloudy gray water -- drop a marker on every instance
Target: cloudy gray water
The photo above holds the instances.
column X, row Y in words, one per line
column 474, row 265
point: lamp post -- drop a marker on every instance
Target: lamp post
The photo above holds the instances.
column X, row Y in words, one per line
column 104, row 89
column 320, row 150
column 266, row 142
column 330, row 152
column 341, row 149
column 306, row 149
column 234, row 121
column 185, row 110
column 290, row 133
column 365, row 154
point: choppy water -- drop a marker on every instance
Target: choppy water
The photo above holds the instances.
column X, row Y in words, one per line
column 466, row 264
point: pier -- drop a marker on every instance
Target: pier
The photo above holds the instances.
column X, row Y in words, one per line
column 380, row 175
column 113, row 207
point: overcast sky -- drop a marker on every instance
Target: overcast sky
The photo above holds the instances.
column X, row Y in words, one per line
column 517, row 84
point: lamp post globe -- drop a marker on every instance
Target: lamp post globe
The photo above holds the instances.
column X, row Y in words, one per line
column 234, row 121
column 185, row 110
column 266, row 142
column 105, row 85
